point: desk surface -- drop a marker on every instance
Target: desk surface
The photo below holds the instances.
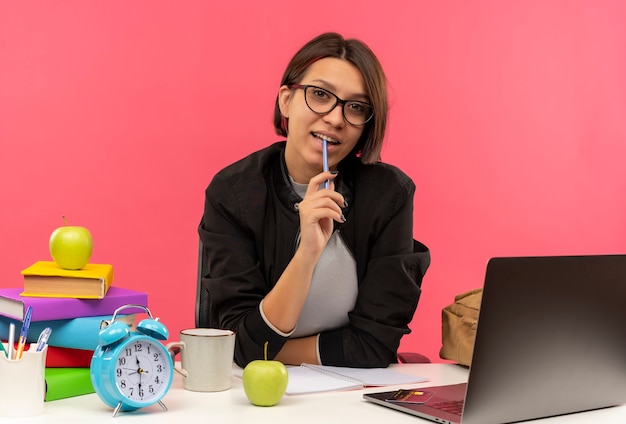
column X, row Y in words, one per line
column 232, row 406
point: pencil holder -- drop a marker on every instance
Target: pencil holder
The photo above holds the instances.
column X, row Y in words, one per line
column 22, row 385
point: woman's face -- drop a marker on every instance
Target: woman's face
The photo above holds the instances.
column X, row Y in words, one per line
column 306, row 128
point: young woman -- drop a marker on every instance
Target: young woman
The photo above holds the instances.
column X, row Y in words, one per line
column 324, row 275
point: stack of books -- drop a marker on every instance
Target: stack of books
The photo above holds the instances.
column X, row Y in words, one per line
column 73, row 303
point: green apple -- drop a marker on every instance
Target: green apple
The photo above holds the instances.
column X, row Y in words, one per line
column 71, row 246
column 265, row 382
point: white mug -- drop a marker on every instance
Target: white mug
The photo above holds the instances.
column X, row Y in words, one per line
column 206, row 356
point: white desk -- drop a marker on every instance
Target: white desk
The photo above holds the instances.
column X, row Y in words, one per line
column 232, row 406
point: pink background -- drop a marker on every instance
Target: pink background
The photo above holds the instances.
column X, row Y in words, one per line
column 509, row 116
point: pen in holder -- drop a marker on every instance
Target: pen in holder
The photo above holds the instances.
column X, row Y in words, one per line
column 23, row 387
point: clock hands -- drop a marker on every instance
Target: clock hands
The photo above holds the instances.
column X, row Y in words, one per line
column 139, row 370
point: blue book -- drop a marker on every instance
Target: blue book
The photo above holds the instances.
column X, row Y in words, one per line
column 75, row 333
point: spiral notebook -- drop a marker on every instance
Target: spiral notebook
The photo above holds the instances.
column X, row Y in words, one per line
column 308, row 378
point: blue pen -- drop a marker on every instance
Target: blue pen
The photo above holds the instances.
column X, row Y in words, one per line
column 325, row 160
column 24, row 333
column 43, row 338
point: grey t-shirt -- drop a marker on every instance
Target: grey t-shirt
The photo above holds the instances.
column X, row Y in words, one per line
column 334, row 287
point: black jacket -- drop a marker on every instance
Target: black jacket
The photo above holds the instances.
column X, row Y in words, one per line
column 250, row 230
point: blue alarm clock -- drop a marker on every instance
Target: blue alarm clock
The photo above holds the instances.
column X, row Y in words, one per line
column 131, row 369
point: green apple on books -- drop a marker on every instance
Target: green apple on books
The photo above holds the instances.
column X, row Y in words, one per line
column 71, row 246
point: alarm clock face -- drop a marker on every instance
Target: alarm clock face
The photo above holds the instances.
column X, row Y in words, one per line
column 143, row 371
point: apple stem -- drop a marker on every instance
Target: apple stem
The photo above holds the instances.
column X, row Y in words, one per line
column 65, row 220
column 265, row 350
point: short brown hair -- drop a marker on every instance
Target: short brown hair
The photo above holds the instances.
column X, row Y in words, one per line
column 358, row 54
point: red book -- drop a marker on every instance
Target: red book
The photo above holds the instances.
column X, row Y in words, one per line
column 14, row 306
column 65, row 357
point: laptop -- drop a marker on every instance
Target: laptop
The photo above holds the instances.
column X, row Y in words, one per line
column 551, row 340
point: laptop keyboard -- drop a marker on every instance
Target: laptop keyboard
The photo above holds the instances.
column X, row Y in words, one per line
column 452, row 406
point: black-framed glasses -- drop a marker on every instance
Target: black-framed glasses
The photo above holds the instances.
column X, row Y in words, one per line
column 322, row 101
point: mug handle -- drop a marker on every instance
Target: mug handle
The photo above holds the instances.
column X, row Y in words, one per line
column 175, row 348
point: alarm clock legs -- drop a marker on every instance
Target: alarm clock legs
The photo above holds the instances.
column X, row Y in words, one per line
column 117, row 409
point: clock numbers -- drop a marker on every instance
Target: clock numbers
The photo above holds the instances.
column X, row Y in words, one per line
column 142, row 370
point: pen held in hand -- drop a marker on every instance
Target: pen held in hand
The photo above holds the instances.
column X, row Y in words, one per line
column 325, row 160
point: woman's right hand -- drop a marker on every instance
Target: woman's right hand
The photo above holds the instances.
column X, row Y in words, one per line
column 319, row 208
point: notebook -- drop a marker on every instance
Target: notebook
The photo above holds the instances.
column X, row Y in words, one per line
column 550, row 341
column 308, row 378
